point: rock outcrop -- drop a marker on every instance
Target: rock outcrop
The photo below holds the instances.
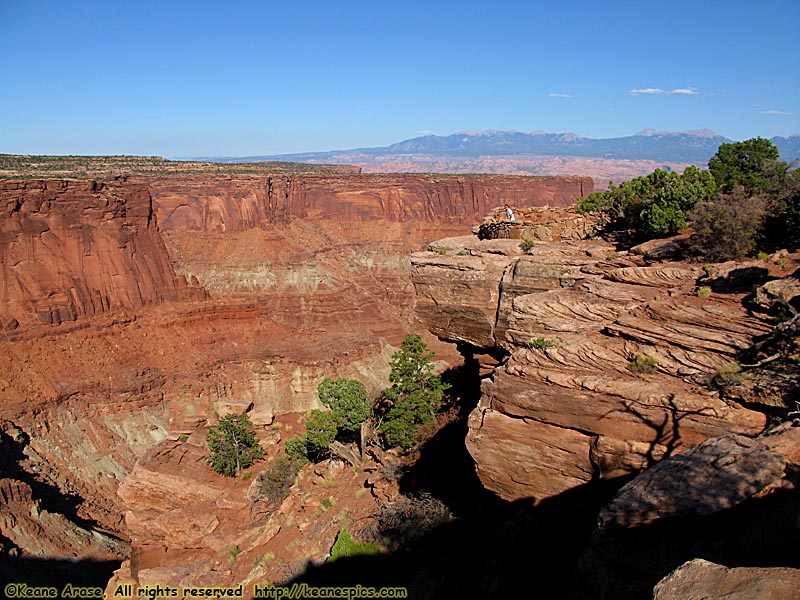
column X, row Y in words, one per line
column 730, row 500
column 572, row 403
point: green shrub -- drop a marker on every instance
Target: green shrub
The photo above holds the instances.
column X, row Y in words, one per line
column 726, row 375
column 415, row 393
column 183, row 438
column 654, row 205
column 762, row 256
column 345, row 546
column 643, row 364
column 233, row 445
column 314, row 443
column 541, row 343
column 463, row 252
column 526, row 244
column 297, row 449
column 704, row 292
column 347, row 399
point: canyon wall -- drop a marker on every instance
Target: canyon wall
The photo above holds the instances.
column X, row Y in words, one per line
column 137, row 311
column 71, row 249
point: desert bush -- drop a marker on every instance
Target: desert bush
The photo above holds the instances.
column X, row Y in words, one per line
column 751, row 165
column 654, row 205
column 526, row 244
column 272, row 485
column 726, row 375
column 704, row 292
column 727, row 227
column 642, row 364
column 398, row 525
column 314, row 443
column 347, row 399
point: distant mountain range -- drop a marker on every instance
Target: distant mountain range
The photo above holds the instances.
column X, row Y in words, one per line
column 662, row 146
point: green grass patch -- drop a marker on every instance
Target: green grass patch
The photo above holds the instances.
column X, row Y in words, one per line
column 345, row 546
column 541, row 343
column 641, row 364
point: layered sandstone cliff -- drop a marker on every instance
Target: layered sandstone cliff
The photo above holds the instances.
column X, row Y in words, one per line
column 71, row 249
column 567, row 406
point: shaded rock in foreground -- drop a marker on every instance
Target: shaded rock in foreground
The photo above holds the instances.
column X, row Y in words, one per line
column 729, row 500
column 703, row 580
column 711, row 477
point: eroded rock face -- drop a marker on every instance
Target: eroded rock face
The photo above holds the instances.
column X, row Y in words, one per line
column 133, row 312
column 72, row 249
column 571, row 316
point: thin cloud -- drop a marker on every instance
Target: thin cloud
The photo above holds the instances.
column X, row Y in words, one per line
column 556, row 95
column 646, row 92
column 781, row 113
column 684, row 92
column 687, row 91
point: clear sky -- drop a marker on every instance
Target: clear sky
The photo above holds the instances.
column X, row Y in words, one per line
column 235, row 77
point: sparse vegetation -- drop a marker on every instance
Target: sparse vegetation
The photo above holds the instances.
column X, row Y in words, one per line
column 233, row 445
column 726, row 375
column 463, row 252
column 727, row 227
column 347, row 399
column 314, row 443
column 542, row 343
column 272, row 485
column 399, row 524
column 15, row 166
column 641, row 364
column 747, row 197
column 526, row 244
column 704, row 292
column 654, row 205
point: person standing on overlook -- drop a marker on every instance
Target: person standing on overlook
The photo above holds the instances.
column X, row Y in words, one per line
column 509, row 213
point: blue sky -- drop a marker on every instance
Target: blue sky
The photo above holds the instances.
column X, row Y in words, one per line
column 233, row 78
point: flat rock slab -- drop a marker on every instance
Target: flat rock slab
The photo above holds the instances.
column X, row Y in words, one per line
column 713, row 476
